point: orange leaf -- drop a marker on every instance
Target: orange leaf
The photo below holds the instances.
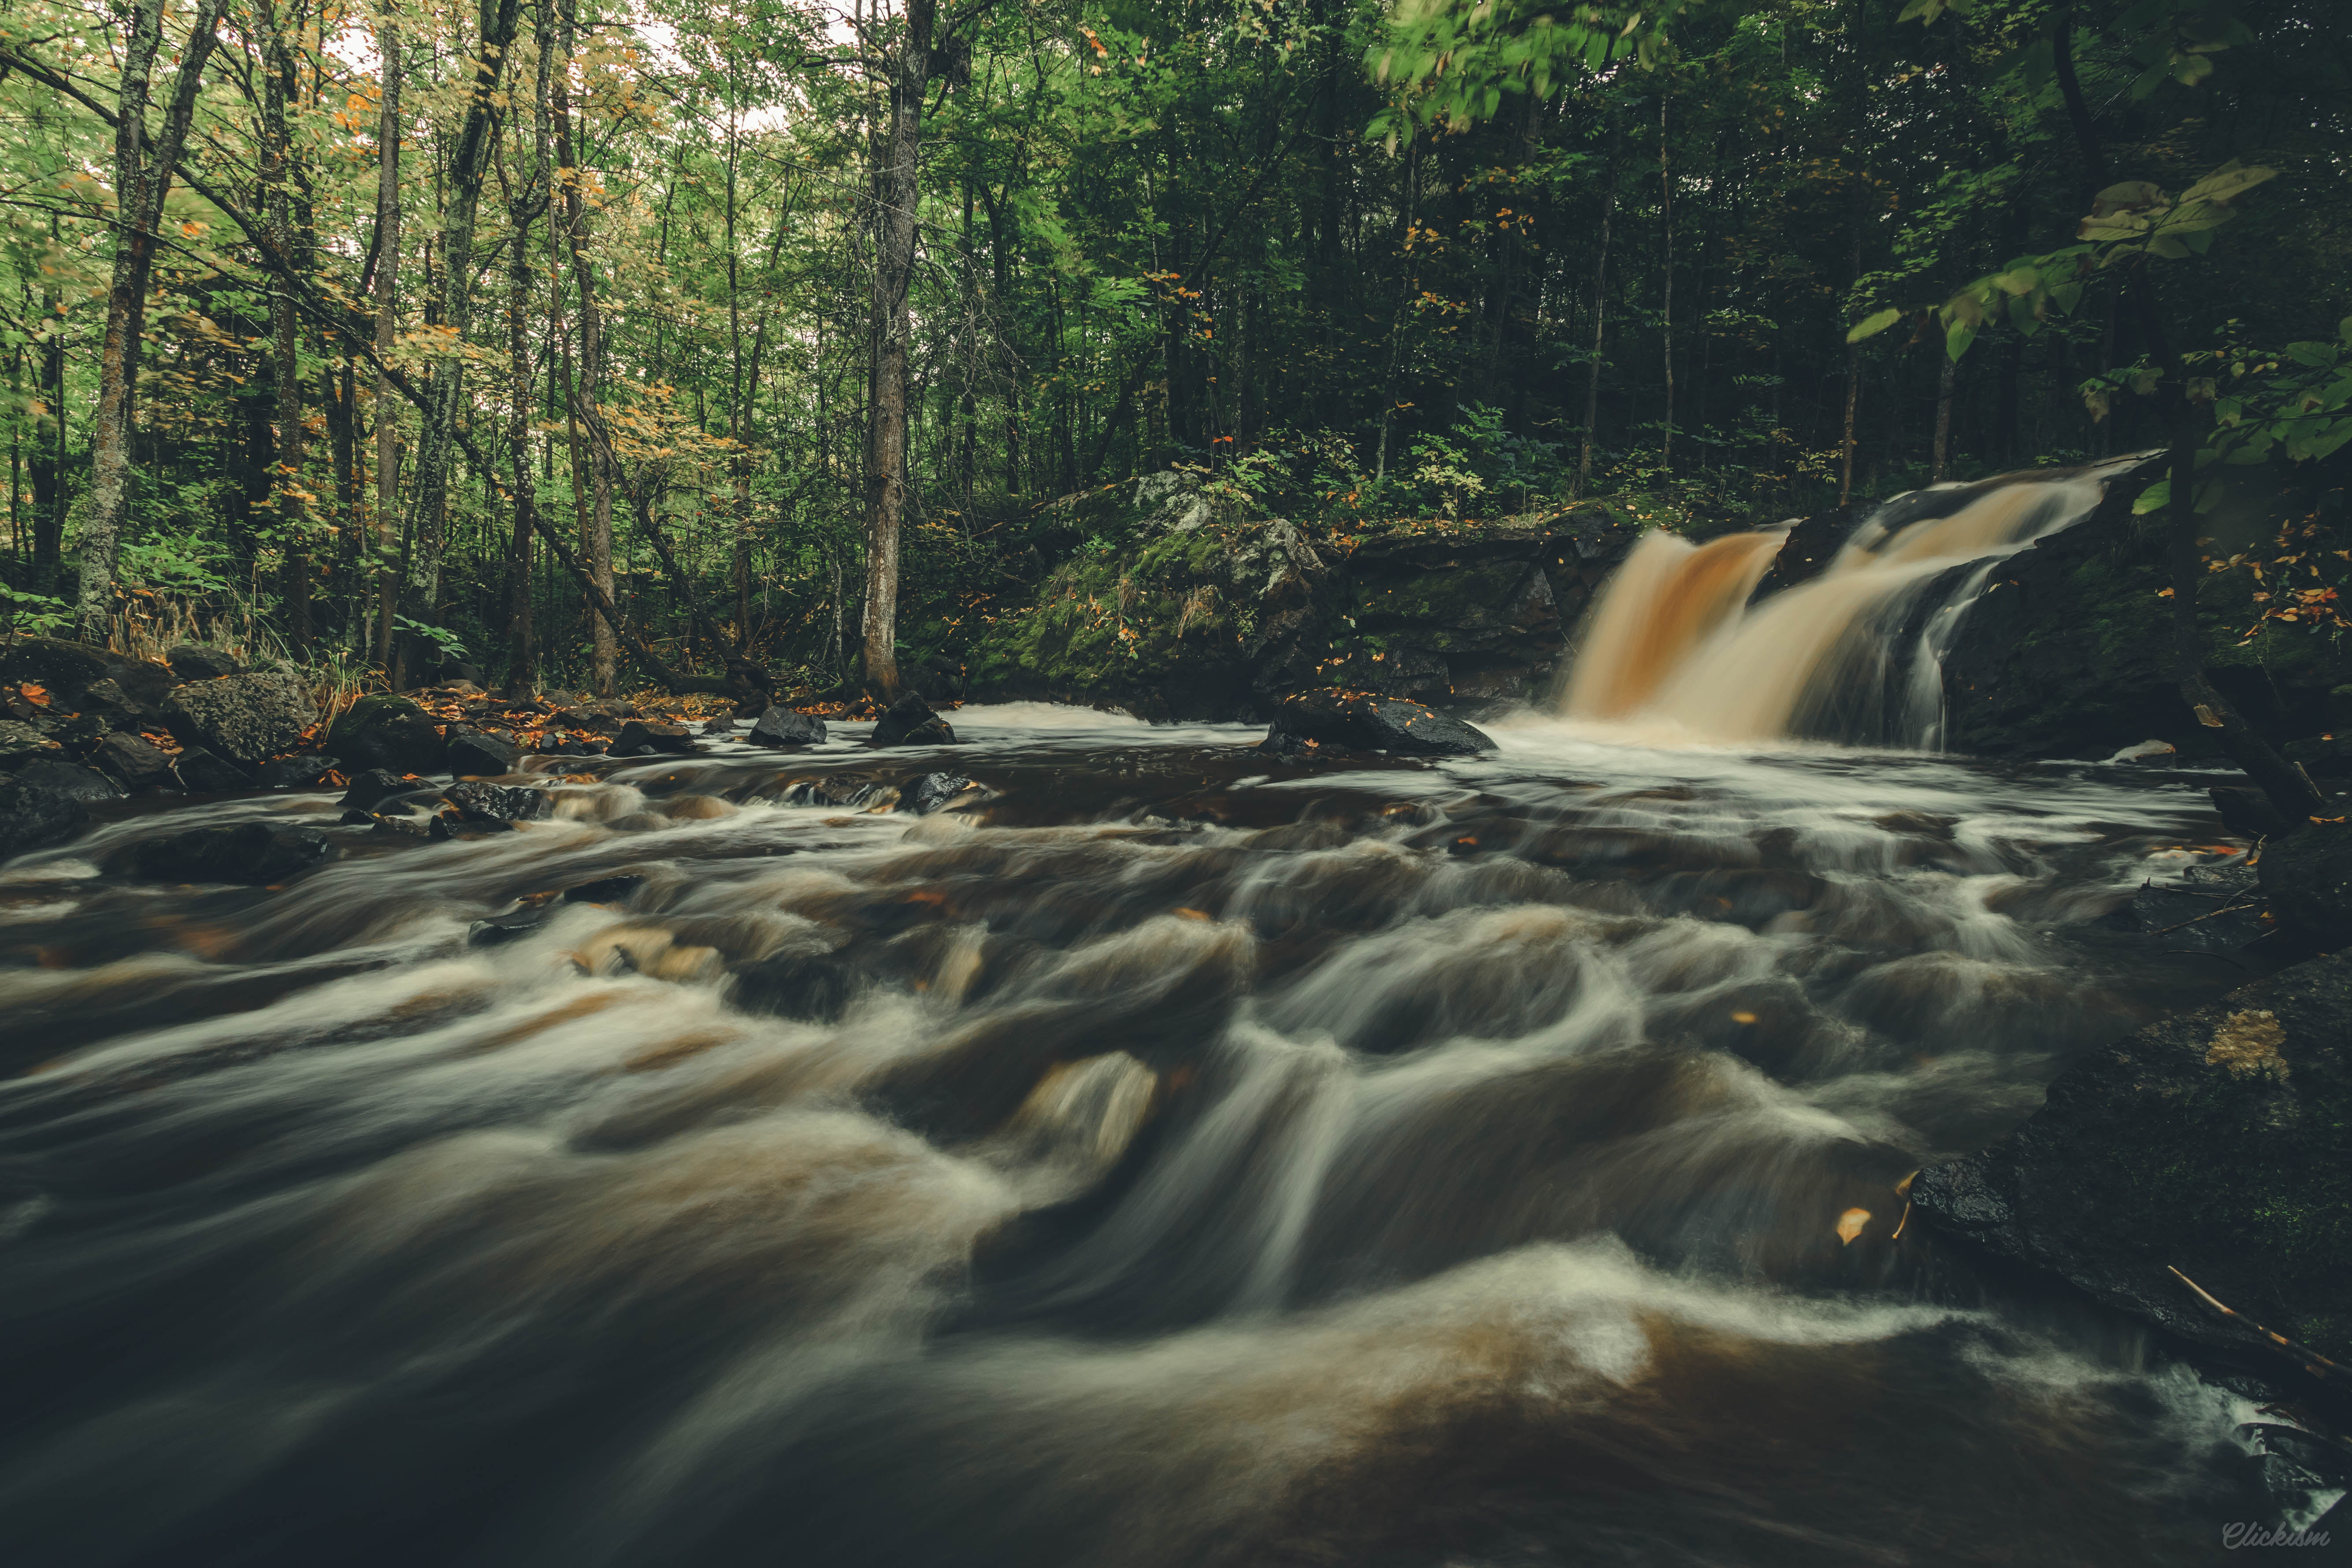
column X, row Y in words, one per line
column 1850, row 1224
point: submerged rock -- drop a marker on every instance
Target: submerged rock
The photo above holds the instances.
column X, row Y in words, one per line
column 247, row 719
column 911, row 722
column 372, row 788
column 2218, row 1141
column 251, row 852
column 387, row 731
column 1365, row 721
column 35, row 813
column 787, row 728
column 933, row 791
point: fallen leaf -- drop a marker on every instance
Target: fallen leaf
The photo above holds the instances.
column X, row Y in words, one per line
column 1743, row 1018
column 1850, row 1224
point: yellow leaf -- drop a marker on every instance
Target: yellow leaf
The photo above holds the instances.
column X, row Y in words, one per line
column 1850, row 1224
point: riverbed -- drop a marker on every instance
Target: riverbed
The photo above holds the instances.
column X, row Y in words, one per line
column 1161, row 1153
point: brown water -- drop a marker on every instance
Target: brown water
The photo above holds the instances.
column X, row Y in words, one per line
column 1674, row 647
column 1175, row 1157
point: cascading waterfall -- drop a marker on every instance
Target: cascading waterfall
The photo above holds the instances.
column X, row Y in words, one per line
column 1846, row 656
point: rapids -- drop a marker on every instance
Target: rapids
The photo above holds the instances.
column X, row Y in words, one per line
column 1174, row 1156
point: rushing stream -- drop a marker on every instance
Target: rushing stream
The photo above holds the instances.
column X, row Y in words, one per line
column 1174, row 1156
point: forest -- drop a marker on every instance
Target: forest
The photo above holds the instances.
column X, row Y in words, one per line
column 589, row 345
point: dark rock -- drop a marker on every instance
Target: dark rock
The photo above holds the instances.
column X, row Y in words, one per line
column 19, row 741
column 1812, row 543
column 1363, row 721
column 510, row 925
column 911, row 722
column 71, row 730
column 387, row 731
column 568, row 748
column 2210, row 910
column 477, row 753
column 603, row 890
column 107, row 702
column 2322, row 756
column 560, row 699
column 130, row 760
column 193, row 661
column 403, row 826
column 250, row 852
column 850, row 792
column 2248, row 812
column 787, row 728
column 49, row 773
column 201, row 772
column 479, row 802
column 34, row 814
column 2307, row 876
column 794, row 985
column 296, row 772
column 67, row 670
column 595, row 717
column 2218, row 1141
column 933, row 791
column 639, row 736
column 939, row 676
column 372, row 788
column 249, row 718
column 721, row 725
column 457, row 672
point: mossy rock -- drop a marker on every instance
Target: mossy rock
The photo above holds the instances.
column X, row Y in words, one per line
column 383, row 730
column 2218, row 1141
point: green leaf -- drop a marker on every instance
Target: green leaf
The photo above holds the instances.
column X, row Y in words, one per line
column 1870, row 326
column 2156, row 498
column 2227, row 183
column 1957, row 339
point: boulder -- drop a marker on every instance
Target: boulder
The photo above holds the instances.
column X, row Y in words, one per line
column 2307, row 876
column 479, row 802
column 247, row 719
column 721, row 725
column 73, row 730
column 1366, row 722
column 2248, row 812
column 297, row 773
column 911, row 722
column 477, row 753
column 131, row 762
column 638, row 737
column 50, row 773
column 787, row 728
column 251, row 852
column 201, row 772
column 2216, row 1142
column 34, row 814
column 67, row 670
column 372, row 788
column 19, row 741
column 933, row 791
column 107, row 702
column 194, row 661
column 387, row 731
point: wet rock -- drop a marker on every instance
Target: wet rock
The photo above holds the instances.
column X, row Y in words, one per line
column 402, row 827
column 599, row 718
column 604, row 890
column 251, row 852
column 107, row 702
column 71, row 730
column 131, row 762
column 639, row 738
column 2211, row 910
column 194, row 661
column 372, row 788
column 297, row 773
column 479, row 802
column 934, row 792
column 846, row 792
column 721, row 725
column 81, row 784
column 20, row 741
column 1812, row 543
column 911, row 722
column 2218, row 1141
column 34, row 814
column 2322, row 756
column 202, row 773
column 67, row 669
column 813, row 987
column 247, row 719
column 1365, row 721
column 787, row 728
column 2307, row 876
column 383, row 730
column 476, row 753
column 2248, row 812
column 511, row 925
column 570, row 748
column 2147, row 754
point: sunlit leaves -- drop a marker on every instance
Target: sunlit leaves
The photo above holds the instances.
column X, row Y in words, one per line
column 1450, row 63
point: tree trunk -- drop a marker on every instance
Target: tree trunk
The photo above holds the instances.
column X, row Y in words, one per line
column 1947, row 374
column 1599, row 314
column 1666, row 292
column 524, row 208
column 48, row 464
column 279, row 85
column 387, row 272
column 436, row 443
column 898, row 189
column 604, row 656
column 141, row 180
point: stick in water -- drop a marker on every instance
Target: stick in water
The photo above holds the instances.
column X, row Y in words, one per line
column 2314, row 1363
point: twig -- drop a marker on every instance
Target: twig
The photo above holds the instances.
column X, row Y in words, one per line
column 2208, row 915
column 2314, row 1363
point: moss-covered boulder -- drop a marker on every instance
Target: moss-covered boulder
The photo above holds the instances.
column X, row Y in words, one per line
column 383, row 730
column 2217, row 1143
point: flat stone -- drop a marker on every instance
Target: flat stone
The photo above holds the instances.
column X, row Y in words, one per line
column 1367, row 721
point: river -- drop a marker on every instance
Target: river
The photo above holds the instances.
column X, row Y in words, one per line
column 1164, row 1154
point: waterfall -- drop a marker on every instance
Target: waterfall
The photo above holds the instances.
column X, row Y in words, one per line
column 1854, row 654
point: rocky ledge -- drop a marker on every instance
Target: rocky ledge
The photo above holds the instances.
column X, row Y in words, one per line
column 2217, row 1143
